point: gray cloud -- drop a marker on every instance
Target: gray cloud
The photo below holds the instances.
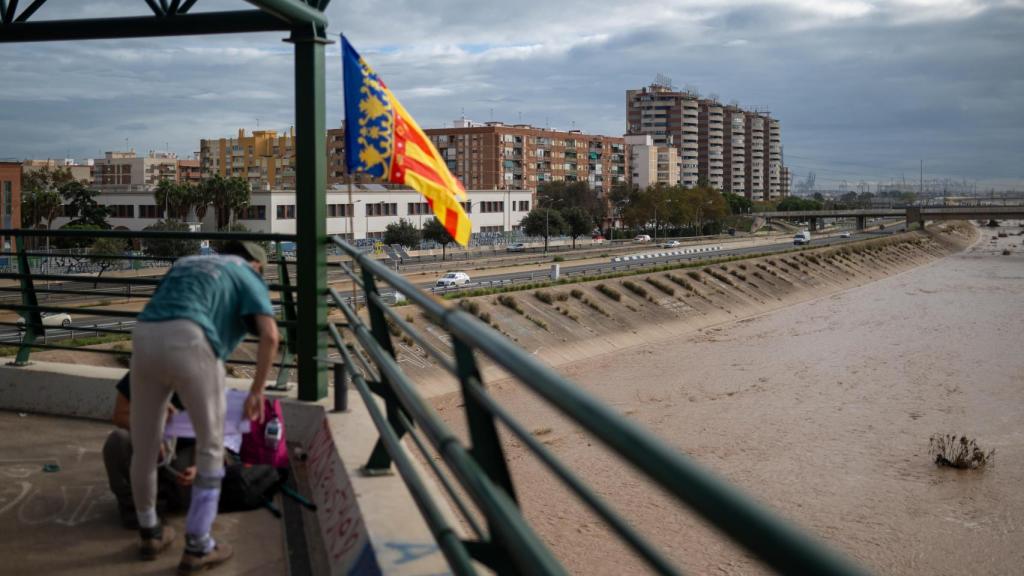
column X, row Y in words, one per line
column 864, row 89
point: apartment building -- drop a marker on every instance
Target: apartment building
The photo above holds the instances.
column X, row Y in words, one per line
column 190, row 172
column 755, row 157
column 786, row 178
column 371, row 209
column 651, row 164
column 265, row 158
column 732, row 149
column 495, row 155
column 711, row 139
column 10, row 197
column 774, row 166
column 127, row 171
column 80, row 172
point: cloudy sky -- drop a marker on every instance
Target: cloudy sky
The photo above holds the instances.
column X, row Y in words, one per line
column 864, row 89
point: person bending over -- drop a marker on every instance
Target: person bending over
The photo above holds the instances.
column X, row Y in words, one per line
column 195, row 319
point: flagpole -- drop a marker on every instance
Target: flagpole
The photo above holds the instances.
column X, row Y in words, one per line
column 352, row 232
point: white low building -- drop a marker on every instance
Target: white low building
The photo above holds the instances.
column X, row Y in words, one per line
column 491, row 211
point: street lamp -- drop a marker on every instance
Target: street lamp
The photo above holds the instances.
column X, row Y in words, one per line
column 547, row 211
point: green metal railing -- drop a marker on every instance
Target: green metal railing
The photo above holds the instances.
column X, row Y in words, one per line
column 476, row 476
column 71, row 293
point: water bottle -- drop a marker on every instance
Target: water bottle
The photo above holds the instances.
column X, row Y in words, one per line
column 272, row 433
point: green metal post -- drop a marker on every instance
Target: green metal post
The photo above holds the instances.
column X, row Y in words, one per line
column 311, row 222
column 288, row 309
column 33, row 319
column 380, row 460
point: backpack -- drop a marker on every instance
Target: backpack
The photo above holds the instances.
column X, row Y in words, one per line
column 255, row 447
column 248, row 487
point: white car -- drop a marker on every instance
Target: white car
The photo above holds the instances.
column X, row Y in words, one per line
column 845, row 235
column 51, row 320
column 452, row 279
column 642, row 238
column 517, row 247
column 670, row 244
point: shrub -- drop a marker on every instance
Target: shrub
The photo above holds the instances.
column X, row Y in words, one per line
column 661, row 286
column 510, row 302
column 537, row 321
column 958, row 452
column 558, row 259
column 470, row 306
column 1006, row 252
column 719, row 276
column 693, row 274
column 743, row 266
column 561, row 296
column 635, row 288
column 576, row 293
column 544, row 297
column 680, row 281
column 609, row 292
column 738, row 274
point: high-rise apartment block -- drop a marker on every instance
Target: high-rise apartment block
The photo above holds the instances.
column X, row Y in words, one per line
column 732, row 149
column 266, row 159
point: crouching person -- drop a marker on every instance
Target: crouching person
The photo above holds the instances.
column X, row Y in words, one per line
column 174, row 476
column 195, row 319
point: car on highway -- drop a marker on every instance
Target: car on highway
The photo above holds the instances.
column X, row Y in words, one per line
column 802, row 238
column 670, row 244
column 641, row 238
column 51, row 320
column 452, row 279
column 517, row 247
column 845, row 235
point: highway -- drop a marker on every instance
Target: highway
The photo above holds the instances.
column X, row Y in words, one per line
column 651, row 256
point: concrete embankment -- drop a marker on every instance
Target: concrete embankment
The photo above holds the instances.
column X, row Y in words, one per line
column 570, row 322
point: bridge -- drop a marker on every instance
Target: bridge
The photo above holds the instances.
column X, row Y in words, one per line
column 912, row 214
column 469, row 502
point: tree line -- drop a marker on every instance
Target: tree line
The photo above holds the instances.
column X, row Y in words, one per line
column 49, row 193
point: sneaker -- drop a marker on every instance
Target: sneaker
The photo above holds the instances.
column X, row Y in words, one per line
column 155, row 541
column 192, row 562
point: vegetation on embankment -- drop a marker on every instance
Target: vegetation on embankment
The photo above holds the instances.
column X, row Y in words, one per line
column 562, row 323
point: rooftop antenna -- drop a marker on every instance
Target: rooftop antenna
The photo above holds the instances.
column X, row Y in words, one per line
column 492, row 114
column 257, row 123
column 520, row 117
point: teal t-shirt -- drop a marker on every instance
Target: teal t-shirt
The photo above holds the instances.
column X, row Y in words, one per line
column 215, row 292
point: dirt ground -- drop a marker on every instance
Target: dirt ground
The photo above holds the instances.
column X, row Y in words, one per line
column 822, row 410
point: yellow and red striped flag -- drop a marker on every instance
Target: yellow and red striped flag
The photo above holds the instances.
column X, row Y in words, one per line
column 382, row 140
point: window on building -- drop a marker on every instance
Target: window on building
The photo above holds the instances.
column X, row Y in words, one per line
column 382, row 209
column 339, row 210
column 121, row 210
column 418, row 209
column 151, row 211
column 524, row 205
column 486, row 229
column 286, row 212
column 257, row 212
column 467, row 206
column 489, row 207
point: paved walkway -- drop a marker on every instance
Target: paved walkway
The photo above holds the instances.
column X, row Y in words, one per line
column 65, row 522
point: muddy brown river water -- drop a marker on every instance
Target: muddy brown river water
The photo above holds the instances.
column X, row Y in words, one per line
column 822, row 411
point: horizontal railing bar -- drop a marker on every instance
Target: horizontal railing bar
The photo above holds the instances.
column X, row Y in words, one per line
column 445, row 362
column 109, row 351
column 36, row 254
column 525, row 548
column 67, row 309
column 134, row 280
column 449, row 542
column 144, row 234
column 650, row 554
column 71, row 292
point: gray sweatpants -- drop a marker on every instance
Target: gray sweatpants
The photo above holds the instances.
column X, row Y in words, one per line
column 173, row 356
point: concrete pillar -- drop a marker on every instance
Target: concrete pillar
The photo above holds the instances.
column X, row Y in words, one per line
column 814, row 224
column 861, row 223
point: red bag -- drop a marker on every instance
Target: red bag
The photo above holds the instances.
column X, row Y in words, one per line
column 265, row 441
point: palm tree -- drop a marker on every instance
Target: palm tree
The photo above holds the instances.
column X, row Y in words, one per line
column 228, row 195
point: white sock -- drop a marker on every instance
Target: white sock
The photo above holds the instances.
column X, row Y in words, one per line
column 147, row 518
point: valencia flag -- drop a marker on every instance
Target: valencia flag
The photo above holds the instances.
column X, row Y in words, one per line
column 382, row 140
